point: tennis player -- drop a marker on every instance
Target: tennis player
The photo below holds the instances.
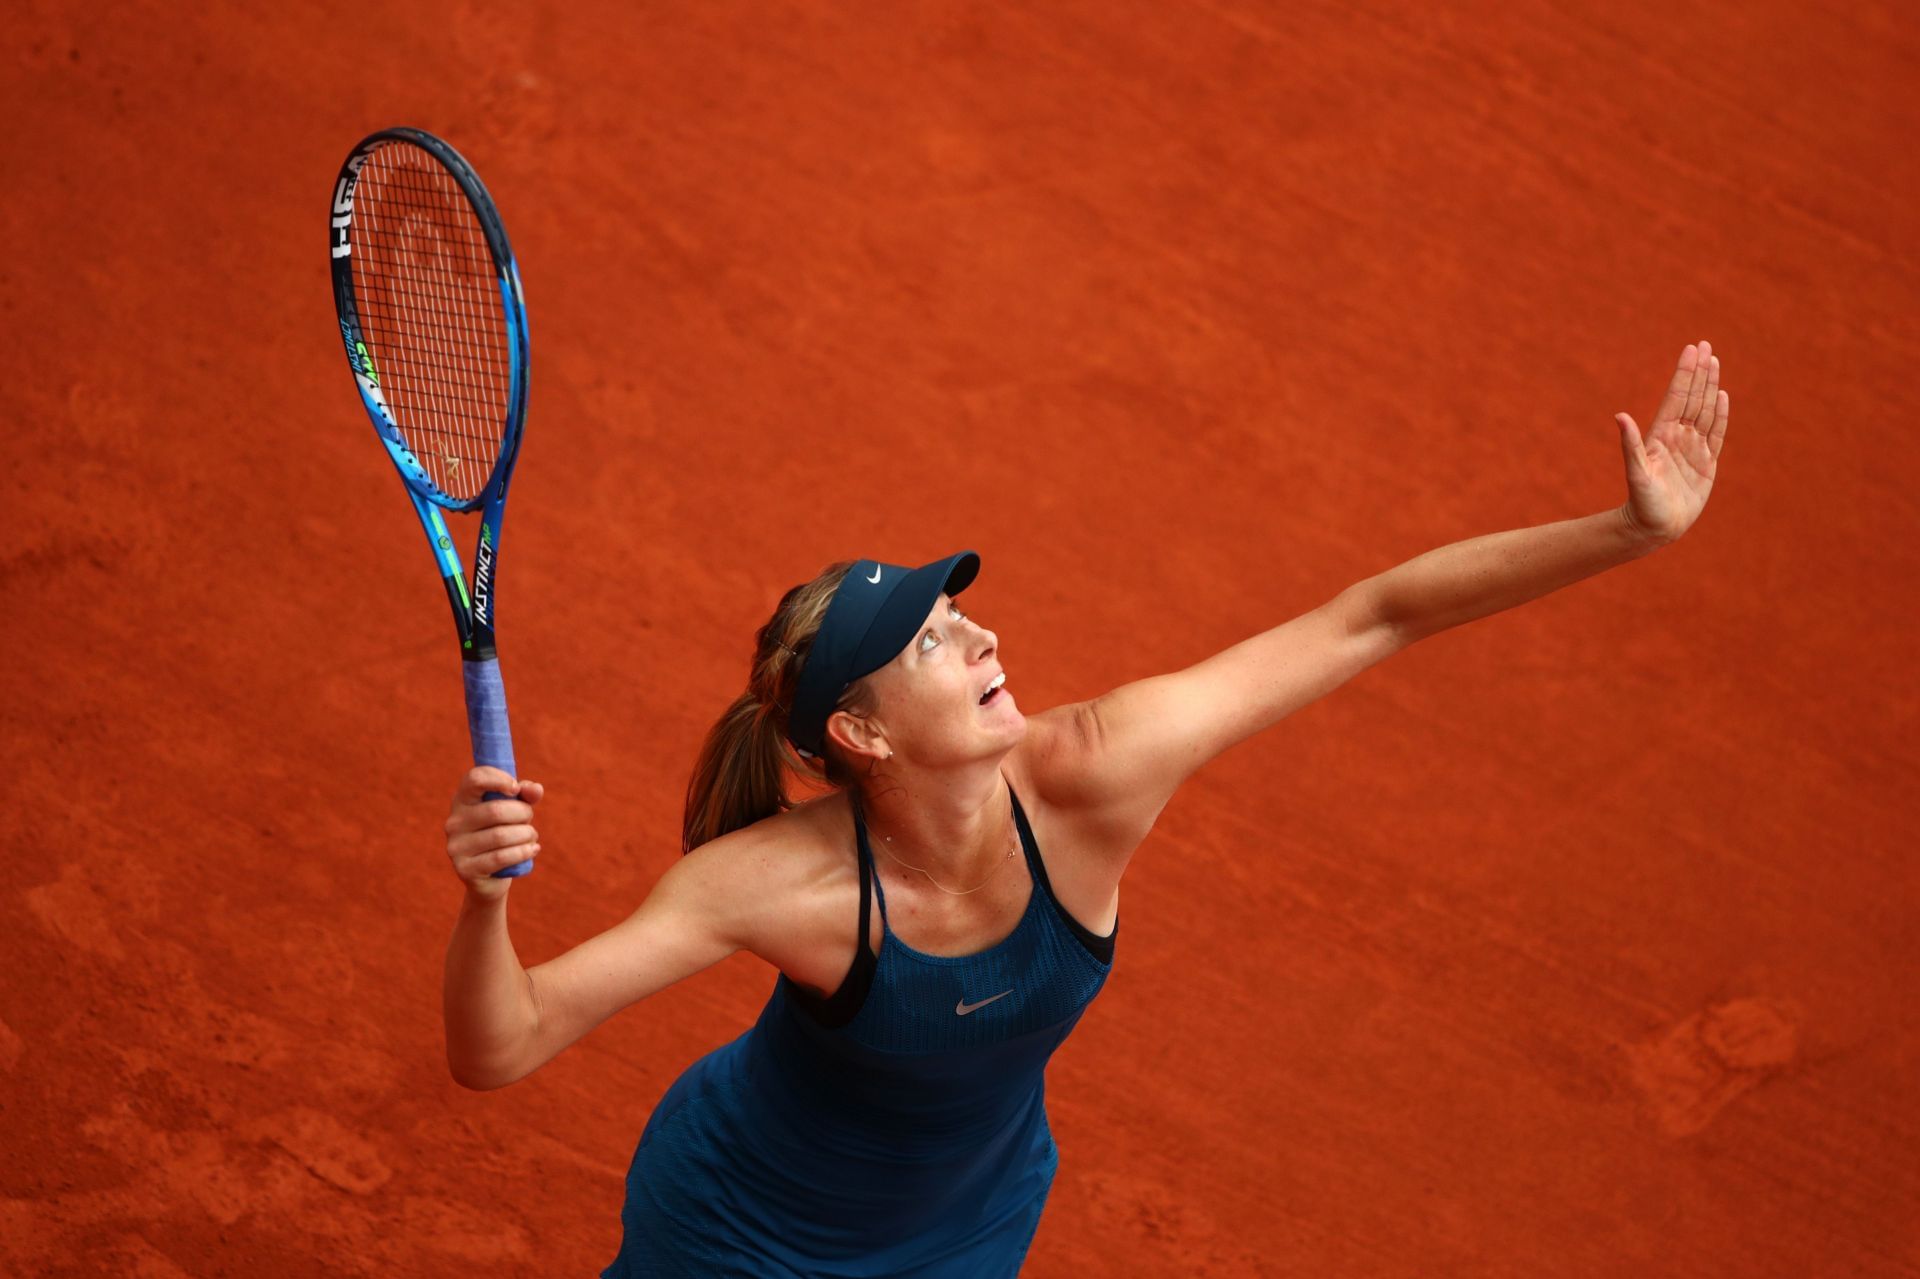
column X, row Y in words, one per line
column 943, row 915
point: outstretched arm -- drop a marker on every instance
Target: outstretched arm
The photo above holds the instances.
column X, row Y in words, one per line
column 1482, row 575
column 1669, row 475
column 1120, row 757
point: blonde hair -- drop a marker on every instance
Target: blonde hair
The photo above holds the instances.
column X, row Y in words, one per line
column 740, row 776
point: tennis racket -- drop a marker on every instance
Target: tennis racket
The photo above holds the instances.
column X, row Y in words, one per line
column 436, row 335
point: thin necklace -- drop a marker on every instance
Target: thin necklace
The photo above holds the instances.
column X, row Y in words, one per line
column 1011, row 850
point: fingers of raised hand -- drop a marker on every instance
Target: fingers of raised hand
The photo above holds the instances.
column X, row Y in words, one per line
column 1697, row 383
column 1711, row 418
column 1673, row 405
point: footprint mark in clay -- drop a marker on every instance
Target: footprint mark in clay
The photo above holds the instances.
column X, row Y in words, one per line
column 1689, row 1073
column 328, row 1149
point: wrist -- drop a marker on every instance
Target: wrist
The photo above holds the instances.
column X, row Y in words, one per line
column 1639, row 541
column 491, row 895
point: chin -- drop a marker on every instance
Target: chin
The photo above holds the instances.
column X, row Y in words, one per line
column 993, row 740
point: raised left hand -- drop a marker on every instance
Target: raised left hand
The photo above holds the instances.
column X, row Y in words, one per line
column 1670, row 471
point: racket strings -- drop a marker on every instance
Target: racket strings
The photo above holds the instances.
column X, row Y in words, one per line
column 430, row 309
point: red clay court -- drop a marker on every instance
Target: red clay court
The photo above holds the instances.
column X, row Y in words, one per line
column 1580, row 941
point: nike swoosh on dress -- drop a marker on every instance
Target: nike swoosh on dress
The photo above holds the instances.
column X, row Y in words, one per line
column 963, row 1007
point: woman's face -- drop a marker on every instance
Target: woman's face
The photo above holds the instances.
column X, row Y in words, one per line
column 928, row 698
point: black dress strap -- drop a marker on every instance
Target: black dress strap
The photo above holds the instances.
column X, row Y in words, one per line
column 845, row 1003
column 1101, row 948
column 866, row 862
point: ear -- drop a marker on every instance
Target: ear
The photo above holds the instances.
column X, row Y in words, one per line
column 858, row 736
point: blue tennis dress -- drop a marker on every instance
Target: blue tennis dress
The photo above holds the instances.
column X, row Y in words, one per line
column 898, row 1128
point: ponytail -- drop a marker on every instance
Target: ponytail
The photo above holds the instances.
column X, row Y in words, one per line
column 740, row 776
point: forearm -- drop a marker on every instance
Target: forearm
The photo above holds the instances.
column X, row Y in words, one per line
column 488, row 999
column 1482, row 575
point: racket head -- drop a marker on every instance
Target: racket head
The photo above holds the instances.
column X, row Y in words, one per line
column 431, row 315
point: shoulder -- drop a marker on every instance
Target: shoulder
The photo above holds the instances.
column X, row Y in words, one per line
column 772, row 877
column 764, row 845
column 1051, row 759
column 1054, row 771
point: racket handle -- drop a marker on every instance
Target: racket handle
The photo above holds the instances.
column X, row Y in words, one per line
column 487, row 726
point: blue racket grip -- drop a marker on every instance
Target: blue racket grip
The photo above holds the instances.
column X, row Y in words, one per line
column 487, row 726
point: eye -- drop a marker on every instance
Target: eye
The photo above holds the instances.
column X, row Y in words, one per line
column 926, row 640
column 957, row 615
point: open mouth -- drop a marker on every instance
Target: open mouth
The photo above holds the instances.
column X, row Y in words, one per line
column 992, row 694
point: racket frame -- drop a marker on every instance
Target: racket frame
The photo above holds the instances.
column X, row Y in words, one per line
column 473, row 610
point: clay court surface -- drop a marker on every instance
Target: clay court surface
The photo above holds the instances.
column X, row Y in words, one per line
column 1580, row 941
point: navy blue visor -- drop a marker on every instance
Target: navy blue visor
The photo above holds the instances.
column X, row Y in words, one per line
column 876, row 611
